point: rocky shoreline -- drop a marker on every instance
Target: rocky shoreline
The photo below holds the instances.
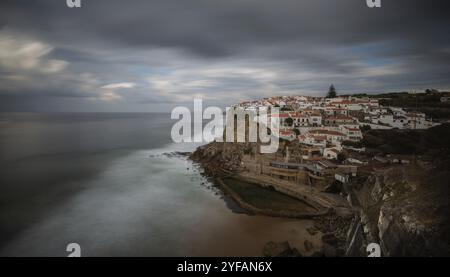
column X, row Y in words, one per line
column 390, row 207
column 331, row 227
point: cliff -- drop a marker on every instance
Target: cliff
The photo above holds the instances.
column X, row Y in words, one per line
column 405, row 209
column 220, row 159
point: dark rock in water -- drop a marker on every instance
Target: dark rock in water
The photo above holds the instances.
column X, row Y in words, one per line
column 175, row 154
column 272, row 249
column 308, row 245
column 283, row 249
column 185, row 154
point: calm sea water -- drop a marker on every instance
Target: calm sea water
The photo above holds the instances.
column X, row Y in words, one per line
column 105, row 181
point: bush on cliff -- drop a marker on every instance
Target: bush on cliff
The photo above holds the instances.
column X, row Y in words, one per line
column 409, row 142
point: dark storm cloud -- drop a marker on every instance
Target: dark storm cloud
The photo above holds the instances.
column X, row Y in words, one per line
column 172, row 50
column 216, row 27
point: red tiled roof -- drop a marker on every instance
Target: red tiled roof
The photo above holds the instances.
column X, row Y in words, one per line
column 351, row 129
column 282, row 115
column 320, row 137
column 286, row 130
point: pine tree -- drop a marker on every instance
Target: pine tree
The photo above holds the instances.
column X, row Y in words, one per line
column 332, row 92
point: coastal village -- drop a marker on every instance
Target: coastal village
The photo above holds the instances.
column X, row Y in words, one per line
column 348, row 163
column 323, row 136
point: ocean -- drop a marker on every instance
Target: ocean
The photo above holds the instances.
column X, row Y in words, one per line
column 111, row 183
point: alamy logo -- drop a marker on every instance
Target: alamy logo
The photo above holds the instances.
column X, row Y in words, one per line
column 73, row 3
column 74, row 250
column 374, row 3
column 241, row 125
column 77, row 3
column 373, row 250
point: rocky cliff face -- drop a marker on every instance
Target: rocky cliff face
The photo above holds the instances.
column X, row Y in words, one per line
column 221, row 158
column 406, row 210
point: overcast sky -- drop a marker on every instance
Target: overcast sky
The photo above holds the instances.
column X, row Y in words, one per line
column 143, row 55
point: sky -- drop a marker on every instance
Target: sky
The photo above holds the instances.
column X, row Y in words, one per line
column 150, row 56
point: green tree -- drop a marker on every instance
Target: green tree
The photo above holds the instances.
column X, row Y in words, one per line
column 366, row 128
column 331, row 92
column 341, row 157
column 289, row 121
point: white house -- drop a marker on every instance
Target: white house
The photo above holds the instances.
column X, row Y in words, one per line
column 315, row 120
column 352, row 132
column 334, row 137
column 313, row 140
column 287, row 134
column 330, row 153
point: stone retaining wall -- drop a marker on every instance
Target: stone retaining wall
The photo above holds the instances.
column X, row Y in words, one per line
column 268, row 212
